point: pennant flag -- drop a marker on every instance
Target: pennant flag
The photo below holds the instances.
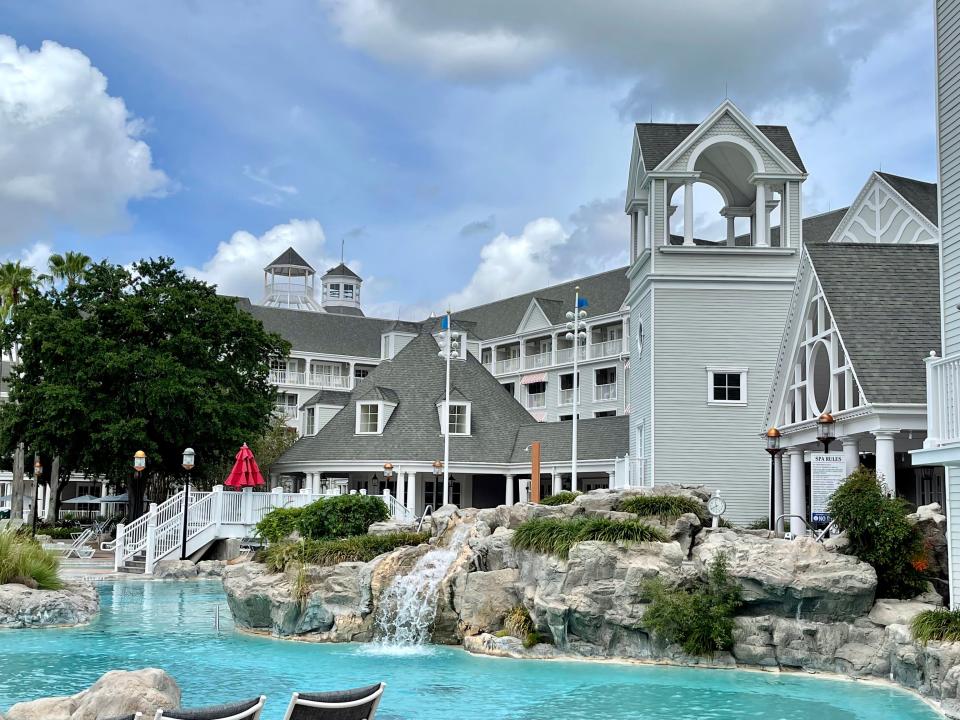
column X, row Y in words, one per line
column 445, row 322
column 582, row 303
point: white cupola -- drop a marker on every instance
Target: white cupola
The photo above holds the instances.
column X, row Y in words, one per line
column 341, row 291
column 289, row 282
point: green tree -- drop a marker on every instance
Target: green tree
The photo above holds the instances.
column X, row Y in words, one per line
column 71, row 267
column 139, row 358
column 266, row 448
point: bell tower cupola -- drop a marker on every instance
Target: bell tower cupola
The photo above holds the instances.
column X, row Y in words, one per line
column 289, row 282
column 341, row 291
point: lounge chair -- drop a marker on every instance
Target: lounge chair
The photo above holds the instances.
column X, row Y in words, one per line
column 245, row 710
column 356, row 704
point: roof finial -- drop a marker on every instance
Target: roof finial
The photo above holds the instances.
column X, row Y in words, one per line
column 651, row 113
column 342, row 241
column 726, row 90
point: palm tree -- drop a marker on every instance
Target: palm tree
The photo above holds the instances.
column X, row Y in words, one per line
column 71, row 266
column 16, row 282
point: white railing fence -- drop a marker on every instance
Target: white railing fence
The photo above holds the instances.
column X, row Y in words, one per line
column 631, row 472
column 607, row 348
column 507, row 365
column 605, row 392
column 943, row 401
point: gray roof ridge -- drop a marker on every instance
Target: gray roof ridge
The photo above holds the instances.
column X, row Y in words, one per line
column 885, row 174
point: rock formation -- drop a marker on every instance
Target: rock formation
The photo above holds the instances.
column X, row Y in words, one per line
column 22, row 607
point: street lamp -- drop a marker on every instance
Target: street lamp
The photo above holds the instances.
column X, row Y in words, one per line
column 437, row 472
column 450, row 351
column 387, row 473
column 37, row 473
column 576, row 333
column 773, row 447
column 134, row 502
column 188, row 458
column 825, row 430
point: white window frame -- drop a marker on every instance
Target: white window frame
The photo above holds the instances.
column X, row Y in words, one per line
column 333, row 291
column 310, row 421
column 615, row 383
column 744, row 376
column 454, row 403
column 379, row 406
column 347, row 291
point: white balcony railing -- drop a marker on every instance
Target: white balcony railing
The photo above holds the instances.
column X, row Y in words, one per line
column 605, row 392
column 508, row 365
column 537, row 361
column 566, row 396
column 943, row 401
column 606, row 349
column 537, row 401
column 314, row 380
column 566, row 355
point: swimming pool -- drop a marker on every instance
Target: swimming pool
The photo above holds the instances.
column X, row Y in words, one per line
column 171, row 625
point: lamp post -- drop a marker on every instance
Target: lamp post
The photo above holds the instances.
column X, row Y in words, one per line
column 387, row 475
column 438, row 466
column 37, row 473
column 576, row 333
column 773, row 447
column 188, row 458
column 825, row 430
column 450, row 351
column 139, row 465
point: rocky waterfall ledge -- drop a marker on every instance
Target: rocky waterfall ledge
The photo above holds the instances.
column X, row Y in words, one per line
column 24, row 607
column 806, row 606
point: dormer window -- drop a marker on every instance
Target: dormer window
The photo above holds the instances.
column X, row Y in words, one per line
column 368, row 418
column 459, row 417
column 333, row 290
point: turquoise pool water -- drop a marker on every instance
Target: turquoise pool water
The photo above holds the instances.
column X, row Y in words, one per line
column 171, row 625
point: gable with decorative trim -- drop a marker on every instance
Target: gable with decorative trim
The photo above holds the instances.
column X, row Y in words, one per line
column 882, row 215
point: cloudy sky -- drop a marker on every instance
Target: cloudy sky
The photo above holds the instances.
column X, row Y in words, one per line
column 462, row 151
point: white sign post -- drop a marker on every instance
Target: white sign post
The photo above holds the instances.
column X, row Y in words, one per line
column 827, row 473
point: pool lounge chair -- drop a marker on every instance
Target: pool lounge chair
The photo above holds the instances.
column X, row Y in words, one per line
column 245, row 710
column 356, row 704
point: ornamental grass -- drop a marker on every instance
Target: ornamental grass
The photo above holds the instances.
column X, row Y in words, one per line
column 665, row 507
column 936, row 625
column 360, row 548
column 23, row 560
column 561, row 498
column 555, row 536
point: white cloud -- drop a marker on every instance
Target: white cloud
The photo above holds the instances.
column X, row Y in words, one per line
column 676, row 55
column 71, row 154
column 237, row 265
column 276, row 191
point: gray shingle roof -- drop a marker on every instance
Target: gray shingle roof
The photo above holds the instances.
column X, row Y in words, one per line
column 328, row 397
column 320, row 332
column 885, row 300
column 290, row 257
column 819, row 228
column 597, row 439
column 343, row 310
column 657, row 140
column 605, row 293
column 342, row 270
column 922, row 195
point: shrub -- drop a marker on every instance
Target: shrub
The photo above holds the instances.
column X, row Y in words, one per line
column 759, row 524
column 936, row 625
column 278, row 524
column 518, row 622
column 561, row 498
column 342, row 516
column 555, row 536
column 699, row 619
column 666, row 507
column 23, row 557
column 880, row 534
column 360, row 548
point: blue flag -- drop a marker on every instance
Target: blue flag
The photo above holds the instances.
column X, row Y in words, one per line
column 582, row 302
column 445, row 322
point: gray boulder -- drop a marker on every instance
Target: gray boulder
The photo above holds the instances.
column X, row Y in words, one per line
column 175, row 570
column 932, row 524
column 898, row 612
column 483, row 599
column 791, row 578
column 210, row 568
column 391, row 526
column 20, row 607
column 115, row 694
column 495, row 551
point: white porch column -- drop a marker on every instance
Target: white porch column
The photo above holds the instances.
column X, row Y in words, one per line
column 778, row 492
column 412, row 492
column 401, row 489
column 851, row 454
column 557, row 485
column 886, row 461
column 641, row 229
column 760, row 214
column 798, row 491
column 508, row 495
column 524, row 491
column 731, row 230
column 688, row 212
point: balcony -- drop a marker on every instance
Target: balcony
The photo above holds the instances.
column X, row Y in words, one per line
column 566, row 397
column 313, row 380
column 537, row 361
column 943, row 403
column 507, row 365
column 537, row 401
column 605, row 392
column 565, row 355
column 608, row 348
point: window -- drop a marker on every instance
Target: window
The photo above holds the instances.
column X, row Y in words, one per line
column 605, row 413
column 311, row 421
column 286, row 404
column 537, row 395
column 566, row 389
column 564, row 418
column 334, row 290
column 606, row 376
column 348, row 292
column 509, row 387
column 384, row 347
column 605, row 384
column 360, row 372
column 368, row 418
column 726, row 386
column 459, row 419
column 433, row 492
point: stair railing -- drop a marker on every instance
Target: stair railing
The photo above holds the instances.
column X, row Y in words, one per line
column 132, row 538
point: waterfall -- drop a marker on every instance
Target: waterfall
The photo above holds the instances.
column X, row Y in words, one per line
column 408, row 606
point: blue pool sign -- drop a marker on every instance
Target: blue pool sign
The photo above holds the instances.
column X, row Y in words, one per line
column 827, row 472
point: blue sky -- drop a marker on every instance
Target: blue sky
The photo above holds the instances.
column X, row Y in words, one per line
column 464, row 151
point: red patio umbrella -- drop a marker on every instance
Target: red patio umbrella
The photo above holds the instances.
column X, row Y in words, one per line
column 245, row 472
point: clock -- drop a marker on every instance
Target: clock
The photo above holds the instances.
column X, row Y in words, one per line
column 716, row 505
column 639, row 339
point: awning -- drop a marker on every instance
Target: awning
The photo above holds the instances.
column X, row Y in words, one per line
column 82, row 500
column 533, row 378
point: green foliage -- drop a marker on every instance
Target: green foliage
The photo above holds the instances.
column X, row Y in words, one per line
column 518, row 622
column 137, row 357
column 880, row 534
column 361, row 548
column 22, row 557
column 759, row 524
column 699, row 619
column 342, row 516
column 666, row 507
column 266, row 447
column 278, row 524
column 555, row 536
column 936, row 625
column 561, row 498
column 64, row 532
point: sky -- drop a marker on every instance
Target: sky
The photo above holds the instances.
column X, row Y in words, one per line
column 459, row 152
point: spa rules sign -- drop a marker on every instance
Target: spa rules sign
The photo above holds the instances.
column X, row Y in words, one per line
column 827, row 472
